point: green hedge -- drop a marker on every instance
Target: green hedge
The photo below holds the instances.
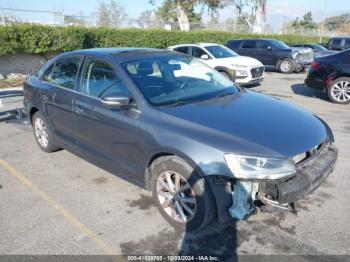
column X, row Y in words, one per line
column 40, row 39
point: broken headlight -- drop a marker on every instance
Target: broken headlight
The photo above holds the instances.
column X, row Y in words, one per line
column 259, row 168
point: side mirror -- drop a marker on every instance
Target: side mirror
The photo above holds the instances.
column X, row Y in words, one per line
column 269, row 48
column 117, row 100
column 205, row 57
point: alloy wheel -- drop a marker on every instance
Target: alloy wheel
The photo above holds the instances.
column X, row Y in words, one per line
column 340, row 91
column 286, row 66
column 176, row 196
column 41, row 132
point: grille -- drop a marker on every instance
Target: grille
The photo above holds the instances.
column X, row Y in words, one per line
column 257, row 72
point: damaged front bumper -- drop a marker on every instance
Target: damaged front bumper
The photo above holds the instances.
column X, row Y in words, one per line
column 311, row 172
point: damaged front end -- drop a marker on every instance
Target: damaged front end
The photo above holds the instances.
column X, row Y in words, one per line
column 311, row 168
column 302, row 56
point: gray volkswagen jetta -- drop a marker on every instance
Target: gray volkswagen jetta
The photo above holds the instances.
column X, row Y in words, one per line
column 204, row 147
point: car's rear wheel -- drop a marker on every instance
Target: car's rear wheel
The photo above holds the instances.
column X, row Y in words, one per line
column 299, row 68
column 339, row 90
column 42, row 133
column 181, row 195
column 286, row 66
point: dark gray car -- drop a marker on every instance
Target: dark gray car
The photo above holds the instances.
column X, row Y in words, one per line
column 205, row 147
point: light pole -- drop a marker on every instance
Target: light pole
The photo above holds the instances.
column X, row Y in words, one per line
column 324, row 18
column 3, row 17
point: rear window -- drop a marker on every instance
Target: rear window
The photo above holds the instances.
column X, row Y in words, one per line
column 249, row 44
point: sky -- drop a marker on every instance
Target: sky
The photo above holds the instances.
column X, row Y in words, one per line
column 277, row 10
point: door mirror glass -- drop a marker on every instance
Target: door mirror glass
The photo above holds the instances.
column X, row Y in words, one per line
column 205, row 57
column 269, row 48
column 117, row 100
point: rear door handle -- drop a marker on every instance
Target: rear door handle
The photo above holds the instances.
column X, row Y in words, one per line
column 79, row 110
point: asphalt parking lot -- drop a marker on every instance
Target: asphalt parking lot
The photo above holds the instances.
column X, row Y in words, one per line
column 60, row 204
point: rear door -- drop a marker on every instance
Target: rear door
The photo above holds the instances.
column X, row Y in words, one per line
column 109, row 135
column 57, row 96
column 248, row 48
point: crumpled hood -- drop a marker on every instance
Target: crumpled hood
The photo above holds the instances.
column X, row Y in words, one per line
column 241, row 60
column 248, row 123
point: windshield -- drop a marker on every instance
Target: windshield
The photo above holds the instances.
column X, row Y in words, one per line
column 175, row 79
column 319, row 47
column 219, row 51
column 279, row 44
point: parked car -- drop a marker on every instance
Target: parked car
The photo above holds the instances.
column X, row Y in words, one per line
column 332, row 75
column 273, row 53
column 241, row 69
column 205, row 147
column 338, row 43
column 317, row 49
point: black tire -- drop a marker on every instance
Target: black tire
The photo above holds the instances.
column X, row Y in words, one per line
column 299, row 69
column 286, row 69
column 204, row 207
column 49, row 146
column 341, row 82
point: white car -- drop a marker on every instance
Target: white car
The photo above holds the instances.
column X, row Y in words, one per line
column 242, row 70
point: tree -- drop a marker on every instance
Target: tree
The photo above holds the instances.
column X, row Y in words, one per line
column 183, row 12
column 337, row 22
column 149, row 19
column 305, row 23
column 110, row 14
column 253, row 12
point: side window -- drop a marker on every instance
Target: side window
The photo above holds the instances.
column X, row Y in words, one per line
column 336, row 43
column 234, row 44
column 197, row 52
column 249, row 44
column 46, row 76
column 347, row 43
column 99, row 78
column 263, row 45
column 182, row 49
column 65, row 72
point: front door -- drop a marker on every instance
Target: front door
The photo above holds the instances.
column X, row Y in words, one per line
column 103, row 132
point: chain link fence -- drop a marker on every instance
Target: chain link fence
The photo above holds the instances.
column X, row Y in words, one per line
column 10, row 15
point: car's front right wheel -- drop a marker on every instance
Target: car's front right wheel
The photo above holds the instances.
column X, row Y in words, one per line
column 181, row 195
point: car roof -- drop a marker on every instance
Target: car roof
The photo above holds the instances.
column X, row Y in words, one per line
column 195, row 44
column 114, row 51
column 244, row 39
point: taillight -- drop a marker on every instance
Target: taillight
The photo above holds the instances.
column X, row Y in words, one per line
column 315, row 64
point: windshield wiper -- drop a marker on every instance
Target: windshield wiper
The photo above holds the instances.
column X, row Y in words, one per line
column 184, row 102
column 191, row 101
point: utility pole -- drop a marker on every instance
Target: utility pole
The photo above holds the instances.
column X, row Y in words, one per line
column 3, row 17
column 324, row 18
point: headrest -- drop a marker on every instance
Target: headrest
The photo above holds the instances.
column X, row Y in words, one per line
column 145, row 68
